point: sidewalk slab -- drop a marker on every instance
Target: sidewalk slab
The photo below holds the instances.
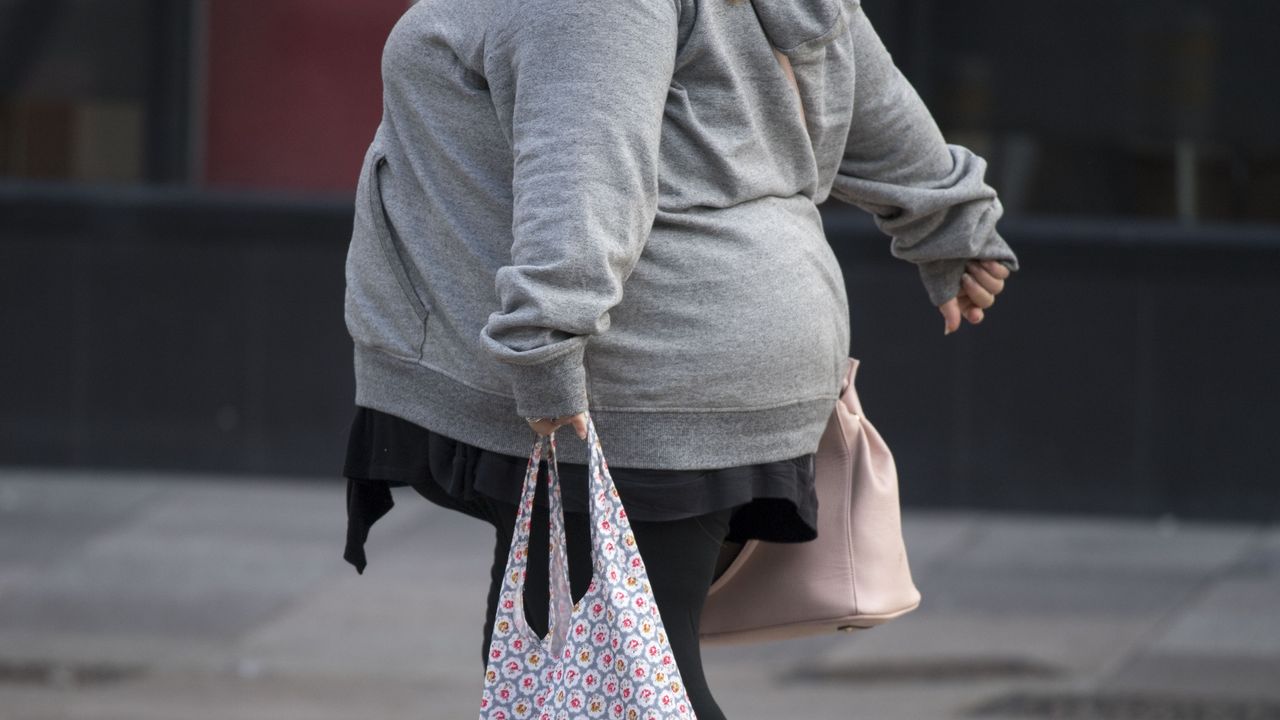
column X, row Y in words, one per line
column 228, row 598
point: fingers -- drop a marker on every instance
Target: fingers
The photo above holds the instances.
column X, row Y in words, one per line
column 969, row 310
column 995, row 268
column 543, row 427
column 950, row 315
column 959, row 307
column 989, row 276
column 546, row 427
column 980, row 285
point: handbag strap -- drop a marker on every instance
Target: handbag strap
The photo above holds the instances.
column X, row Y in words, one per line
column 611, row 537
column 609, row 523
column 561, row 601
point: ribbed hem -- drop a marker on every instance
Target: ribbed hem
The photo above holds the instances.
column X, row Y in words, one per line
column 682, row 440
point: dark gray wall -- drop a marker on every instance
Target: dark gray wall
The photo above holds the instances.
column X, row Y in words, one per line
column 1129, row 368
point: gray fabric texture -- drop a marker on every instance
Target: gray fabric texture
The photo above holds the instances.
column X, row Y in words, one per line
column 612, row 207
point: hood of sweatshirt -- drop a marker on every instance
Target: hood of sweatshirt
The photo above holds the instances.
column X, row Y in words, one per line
column 797, row 26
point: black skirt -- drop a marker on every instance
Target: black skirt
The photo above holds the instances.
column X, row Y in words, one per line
column 773, row 501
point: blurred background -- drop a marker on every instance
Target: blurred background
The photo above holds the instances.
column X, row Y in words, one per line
column 1090, row 506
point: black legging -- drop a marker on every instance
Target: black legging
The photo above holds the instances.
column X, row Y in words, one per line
column 679, row 555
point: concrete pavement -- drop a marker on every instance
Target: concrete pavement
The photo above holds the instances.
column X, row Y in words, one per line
column 141, row 596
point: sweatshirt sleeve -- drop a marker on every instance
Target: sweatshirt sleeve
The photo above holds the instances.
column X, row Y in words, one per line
column 585, row 89
column 927, row 195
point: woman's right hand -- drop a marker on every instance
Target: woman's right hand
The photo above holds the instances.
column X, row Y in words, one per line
column 546, row 426
column 981, row 282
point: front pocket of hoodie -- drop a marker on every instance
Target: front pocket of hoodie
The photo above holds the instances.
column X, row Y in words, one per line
column 384, row 301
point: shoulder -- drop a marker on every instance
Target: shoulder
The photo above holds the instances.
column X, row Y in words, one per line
column 511, row 20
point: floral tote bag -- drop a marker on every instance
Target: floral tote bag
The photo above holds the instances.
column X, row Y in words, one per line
column 607, row 656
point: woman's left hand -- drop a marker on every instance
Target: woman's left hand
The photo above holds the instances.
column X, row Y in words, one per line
column 546, row 426
column 981, row 282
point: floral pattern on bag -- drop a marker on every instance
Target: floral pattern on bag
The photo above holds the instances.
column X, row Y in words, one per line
column 607, row 655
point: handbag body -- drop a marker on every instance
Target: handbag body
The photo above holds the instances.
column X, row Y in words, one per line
column 606, row 656
column 853, row 576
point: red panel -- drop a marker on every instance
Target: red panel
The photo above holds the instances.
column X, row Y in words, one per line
column 294, row 91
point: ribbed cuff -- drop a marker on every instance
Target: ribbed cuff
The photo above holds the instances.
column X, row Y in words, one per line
column 553, row 388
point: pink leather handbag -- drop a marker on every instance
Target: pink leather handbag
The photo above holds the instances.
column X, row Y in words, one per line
column 853, row 576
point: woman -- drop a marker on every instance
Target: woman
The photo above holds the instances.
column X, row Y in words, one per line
column 612, row 207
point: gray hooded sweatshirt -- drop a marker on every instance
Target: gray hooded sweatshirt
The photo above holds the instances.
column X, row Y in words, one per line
column 577, row 205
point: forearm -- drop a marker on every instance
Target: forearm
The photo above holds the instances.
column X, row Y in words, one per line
column 929, row 196
column 586, row 86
